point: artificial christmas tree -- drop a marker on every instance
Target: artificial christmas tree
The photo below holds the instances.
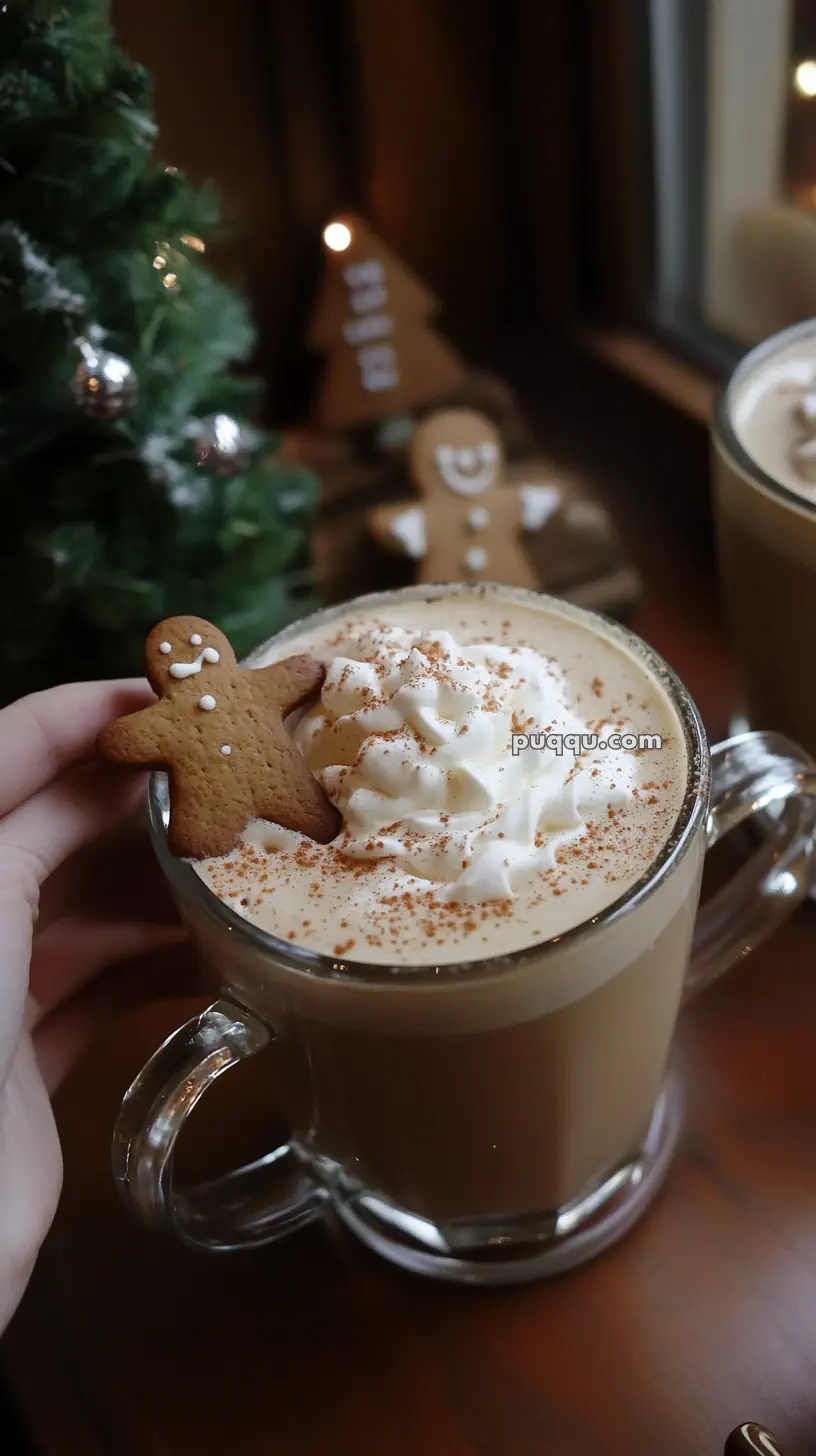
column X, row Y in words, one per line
column 371, row 319
column 129, row 491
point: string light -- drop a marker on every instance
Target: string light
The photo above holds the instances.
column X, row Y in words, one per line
column 804, row 78
column 168, row 257
column 337, row 236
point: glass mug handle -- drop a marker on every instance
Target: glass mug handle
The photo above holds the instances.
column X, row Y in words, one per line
column 253, row 1205
column 274, row 1196
column 752, row 774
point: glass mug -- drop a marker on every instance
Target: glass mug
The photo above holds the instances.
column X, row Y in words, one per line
column 766, row 532
column 489, row 1122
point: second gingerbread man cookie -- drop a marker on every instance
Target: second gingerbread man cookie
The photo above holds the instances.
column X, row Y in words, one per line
column 217, row 729
column 469, row 524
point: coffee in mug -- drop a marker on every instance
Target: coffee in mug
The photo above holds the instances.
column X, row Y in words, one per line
column 765, row 500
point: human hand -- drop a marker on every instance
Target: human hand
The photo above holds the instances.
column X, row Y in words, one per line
column 87, row 928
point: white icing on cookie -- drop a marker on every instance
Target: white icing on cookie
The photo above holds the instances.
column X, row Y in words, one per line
column 225, row 749
column 189, row 669
column 478, row 518
column 409, row 529
column 207, row 702
column 196, row 639
column 165, row 647
column 368, row 270
column 468, row 471
column 538, row 503
column 476, row 558
column 369, row 326
column 378, row 367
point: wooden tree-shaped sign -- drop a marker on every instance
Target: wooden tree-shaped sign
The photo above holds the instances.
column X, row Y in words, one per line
column 371, row 320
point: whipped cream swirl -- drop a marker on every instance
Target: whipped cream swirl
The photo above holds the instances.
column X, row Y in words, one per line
column 412, row 741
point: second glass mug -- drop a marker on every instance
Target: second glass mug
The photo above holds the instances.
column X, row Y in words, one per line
column 457, row 1129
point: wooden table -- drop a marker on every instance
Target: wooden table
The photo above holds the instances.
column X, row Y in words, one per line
column 705, row 1316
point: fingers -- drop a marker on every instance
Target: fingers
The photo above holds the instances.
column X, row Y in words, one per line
column 17, row 918
column 33, row 839
column 30, row 1175
column 71, row 953
column 61, row 1038
column 47, row 732
column 40, row 834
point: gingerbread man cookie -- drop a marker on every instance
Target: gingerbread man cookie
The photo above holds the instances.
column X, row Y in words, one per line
column 217, row 729
column 470, row 522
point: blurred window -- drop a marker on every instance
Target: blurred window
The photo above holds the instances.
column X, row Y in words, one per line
column 733, row 104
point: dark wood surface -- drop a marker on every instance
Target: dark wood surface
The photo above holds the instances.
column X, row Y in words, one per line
column 703, row 1318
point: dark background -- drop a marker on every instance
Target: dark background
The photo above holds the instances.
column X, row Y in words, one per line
column 497, row 147
column 501, row 147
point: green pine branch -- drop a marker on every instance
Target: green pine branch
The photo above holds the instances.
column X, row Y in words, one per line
column 111, row 524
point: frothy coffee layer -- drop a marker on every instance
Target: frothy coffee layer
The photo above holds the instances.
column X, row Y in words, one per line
column 453, row 847
column 774, row 413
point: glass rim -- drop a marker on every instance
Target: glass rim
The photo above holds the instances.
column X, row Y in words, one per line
column 190, row 887
column 724, row 434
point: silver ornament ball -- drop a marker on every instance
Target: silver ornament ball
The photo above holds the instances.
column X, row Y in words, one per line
column 222, row 444
column 104, row 384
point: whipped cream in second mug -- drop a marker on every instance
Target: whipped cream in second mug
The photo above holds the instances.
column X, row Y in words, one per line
column 453, row 846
